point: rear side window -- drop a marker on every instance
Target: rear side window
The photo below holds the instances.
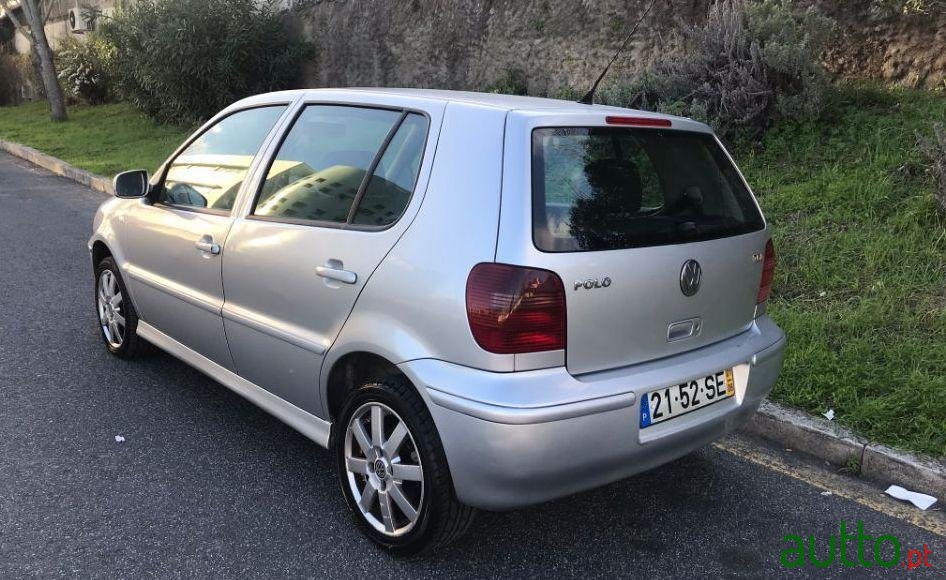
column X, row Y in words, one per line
column 337, row 156
column 610, row 188
column 393, row 181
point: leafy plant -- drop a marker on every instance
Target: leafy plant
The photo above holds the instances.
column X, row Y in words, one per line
column 7, row 34
column 745, row 66
column 884, row 8
column 512, row 82
column 184, row 60
column 18, row 79
column 85, row 68
column 934, row 149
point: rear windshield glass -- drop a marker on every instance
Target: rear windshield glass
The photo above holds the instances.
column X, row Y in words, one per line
column 609, row 188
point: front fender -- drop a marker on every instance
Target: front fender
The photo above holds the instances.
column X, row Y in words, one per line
column 107, row 229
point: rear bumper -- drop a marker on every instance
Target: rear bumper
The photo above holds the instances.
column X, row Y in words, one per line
column 514, row 439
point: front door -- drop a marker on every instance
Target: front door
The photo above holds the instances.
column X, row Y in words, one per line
column 173, row 245
column 325, row 216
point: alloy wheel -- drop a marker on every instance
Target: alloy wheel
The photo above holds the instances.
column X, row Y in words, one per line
column 384, row 469
column 111, row 308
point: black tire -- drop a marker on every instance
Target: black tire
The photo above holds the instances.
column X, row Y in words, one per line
column 131, row 345
column 441, row 517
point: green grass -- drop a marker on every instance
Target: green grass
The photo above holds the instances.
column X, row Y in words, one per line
column 104, row 140
column 861, row 282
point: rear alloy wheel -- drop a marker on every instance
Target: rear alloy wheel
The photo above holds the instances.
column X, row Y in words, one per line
column 384, row 471
column 393, row 471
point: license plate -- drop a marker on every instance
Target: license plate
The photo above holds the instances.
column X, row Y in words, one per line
column 670, row 402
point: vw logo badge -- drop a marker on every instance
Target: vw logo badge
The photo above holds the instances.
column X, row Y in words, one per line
column 380, row 469
column 690, row 277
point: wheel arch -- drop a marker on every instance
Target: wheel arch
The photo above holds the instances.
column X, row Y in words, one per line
column 353, row 369
column 100, row 251
column 101, row 247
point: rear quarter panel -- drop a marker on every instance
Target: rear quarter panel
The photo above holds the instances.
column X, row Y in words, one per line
column 413, row 306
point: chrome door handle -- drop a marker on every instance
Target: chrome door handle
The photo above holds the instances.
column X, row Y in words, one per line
column 344, row 276
column 209, row 247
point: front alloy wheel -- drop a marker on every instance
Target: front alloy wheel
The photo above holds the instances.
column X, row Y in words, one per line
column 118, row 319
column 109, row 300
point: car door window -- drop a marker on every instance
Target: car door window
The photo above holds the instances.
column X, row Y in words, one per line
column 322, row 163
column 393, row 181
column 209, row 172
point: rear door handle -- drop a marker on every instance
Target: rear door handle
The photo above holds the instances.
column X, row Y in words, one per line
column 206, row 244
column 344, row 276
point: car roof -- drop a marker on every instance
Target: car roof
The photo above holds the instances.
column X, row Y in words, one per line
column 522, row 104
column 496, row 100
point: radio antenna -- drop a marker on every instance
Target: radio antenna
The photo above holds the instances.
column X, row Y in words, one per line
column 589, row 97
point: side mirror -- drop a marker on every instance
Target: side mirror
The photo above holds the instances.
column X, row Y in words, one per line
column 131, row 183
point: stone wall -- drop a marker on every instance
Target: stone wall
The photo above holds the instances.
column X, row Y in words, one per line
column 908, row 50
column 474, row 44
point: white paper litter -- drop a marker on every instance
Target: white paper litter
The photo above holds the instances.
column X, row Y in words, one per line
column 920, row 500
column 829, row 415
column 119, row 439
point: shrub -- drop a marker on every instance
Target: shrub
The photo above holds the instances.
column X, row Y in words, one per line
column 85, row 68
column 745, row 66
column 934, row 149
column 19, row 80
column 184, row 60
column 7, row 35
column 512, row 82
column 9, row 81
column 887, row 8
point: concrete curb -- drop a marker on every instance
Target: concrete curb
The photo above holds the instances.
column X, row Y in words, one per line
column 826, row 440
column 58, row 166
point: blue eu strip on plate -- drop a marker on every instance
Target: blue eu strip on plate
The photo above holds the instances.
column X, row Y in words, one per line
column 645, row 413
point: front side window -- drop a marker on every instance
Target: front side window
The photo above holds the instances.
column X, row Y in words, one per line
column 209, row 172
column 325, row 160
column 609, row 188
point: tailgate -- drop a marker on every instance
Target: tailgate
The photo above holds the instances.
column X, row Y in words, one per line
column 652, row 230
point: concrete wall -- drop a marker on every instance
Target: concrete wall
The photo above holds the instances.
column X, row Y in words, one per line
column 473, row 43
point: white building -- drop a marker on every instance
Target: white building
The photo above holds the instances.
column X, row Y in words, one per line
column 65, row 18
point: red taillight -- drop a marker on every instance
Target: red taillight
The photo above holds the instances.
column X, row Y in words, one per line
column 768, row 273
column 638, row 121
column 513, row 309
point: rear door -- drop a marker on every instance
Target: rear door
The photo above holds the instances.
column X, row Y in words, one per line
column 337, row 194
column 653, row 231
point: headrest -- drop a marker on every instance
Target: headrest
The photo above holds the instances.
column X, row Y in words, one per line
column 618, row 182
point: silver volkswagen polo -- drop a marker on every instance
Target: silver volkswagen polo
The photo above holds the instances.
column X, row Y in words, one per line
column 474, row 300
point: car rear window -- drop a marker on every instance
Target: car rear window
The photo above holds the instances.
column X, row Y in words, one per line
column 610, row 188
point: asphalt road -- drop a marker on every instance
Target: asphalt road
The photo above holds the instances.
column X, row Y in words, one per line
column 206, row 485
